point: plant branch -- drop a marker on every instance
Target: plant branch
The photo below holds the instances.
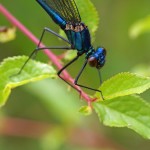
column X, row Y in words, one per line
column 47, row 52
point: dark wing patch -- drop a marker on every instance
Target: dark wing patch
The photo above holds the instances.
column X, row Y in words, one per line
column 66, row 9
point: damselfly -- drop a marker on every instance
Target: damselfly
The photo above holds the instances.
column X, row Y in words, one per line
column 65, row 13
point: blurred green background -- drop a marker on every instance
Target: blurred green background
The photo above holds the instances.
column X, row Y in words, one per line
column 44, row 115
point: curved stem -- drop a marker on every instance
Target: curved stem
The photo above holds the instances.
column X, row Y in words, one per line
column 47, row 52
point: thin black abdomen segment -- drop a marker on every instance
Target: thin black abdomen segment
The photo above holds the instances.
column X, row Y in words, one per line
column 54, row 15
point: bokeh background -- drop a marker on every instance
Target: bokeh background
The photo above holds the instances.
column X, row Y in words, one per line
column 44, row 115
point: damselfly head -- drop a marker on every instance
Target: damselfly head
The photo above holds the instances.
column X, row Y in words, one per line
column 97, row 59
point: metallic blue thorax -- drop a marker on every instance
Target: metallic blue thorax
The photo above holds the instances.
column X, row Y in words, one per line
column 79, row 37
column 77, row 33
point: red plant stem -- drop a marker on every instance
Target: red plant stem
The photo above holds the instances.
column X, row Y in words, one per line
column 47, row 52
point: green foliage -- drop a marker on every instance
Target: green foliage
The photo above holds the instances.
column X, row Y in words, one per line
column 118, row 110
column 122, row 110
column 33, row 71
column 129, row 111
column 124, row 84
column 140, row 27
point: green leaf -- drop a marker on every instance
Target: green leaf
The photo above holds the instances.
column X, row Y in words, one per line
column 85, row 110
column 9, row 79
column 140, row 27
column 124, row 84
column 89, row 15
column 87, row 18
column 129, row 111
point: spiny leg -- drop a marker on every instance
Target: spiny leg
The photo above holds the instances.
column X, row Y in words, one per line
column 33, row 54
column 78, row 76
column 52, row 32
column 60, row 71
column 41, row 38
column 38, row 49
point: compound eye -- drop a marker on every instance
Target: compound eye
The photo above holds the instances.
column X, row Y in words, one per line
column 92, row 61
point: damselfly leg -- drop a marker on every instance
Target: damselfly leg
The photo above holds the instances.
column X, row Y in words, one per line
column 38, row 48
column 83, row 86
